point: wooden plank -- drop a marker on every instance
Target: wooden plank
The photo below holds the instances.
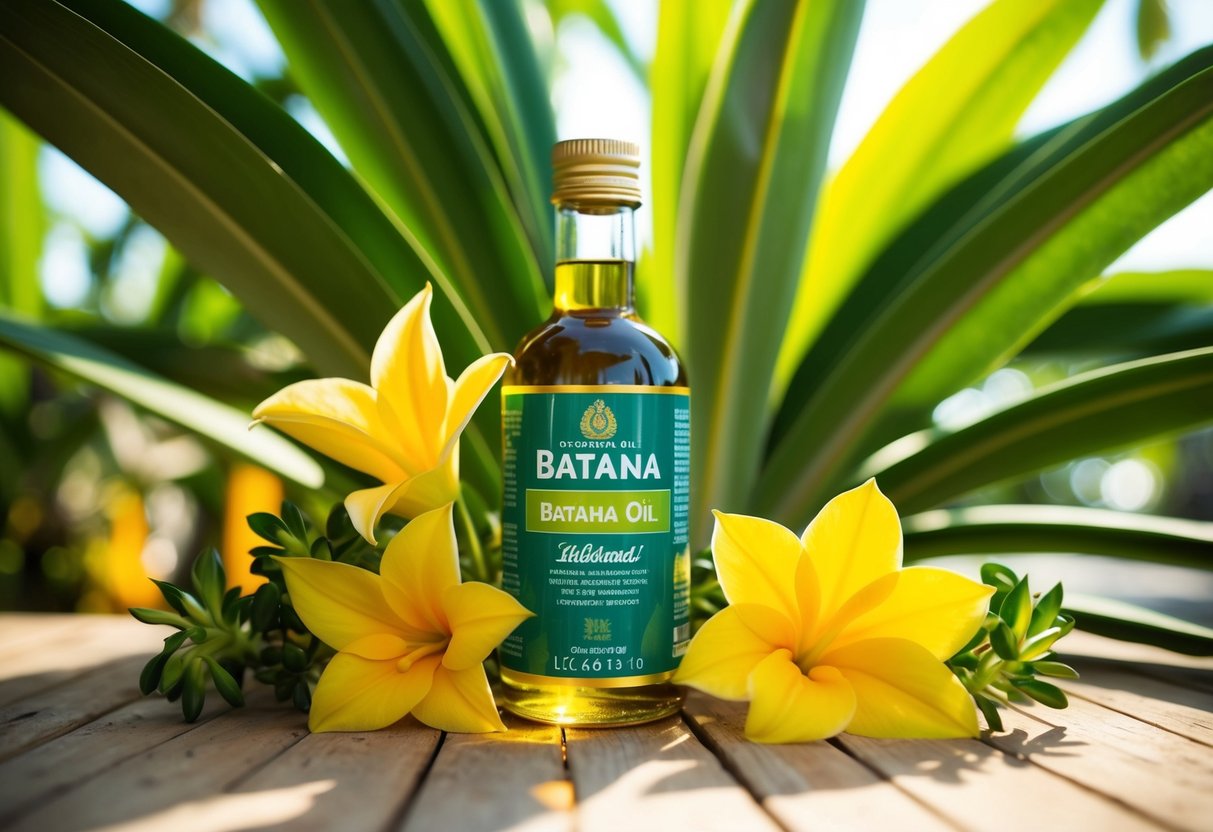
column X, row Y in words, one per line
column 1181, row 710
column 18, row 629
column 514, row 780
column 979, row 787
column 366, row 777
column 41, row 717
column 178, row 784
column 94, row 642
column 655, row 776
column 809, row 786
column 1162, row 775
column 47, row 771
column 1079, row 643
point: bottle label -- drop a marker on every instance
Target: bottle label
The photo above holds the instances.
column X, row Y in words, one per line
column 594, row 532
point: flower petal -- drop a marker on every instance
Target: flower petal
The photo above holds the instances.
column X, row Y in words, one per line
column 722, row 654
column 378, row 647
column 418, row 566
column 367, row 505
column 480, row 616
column 340, row 419
column 430, row 490
column 460, row 701
column 935, row 608
column 787, row 706
column 853, row 541
column 409, row 498
column 473, row 384
column 408, row 373
column 903, row 691
column 756, row 562
column 338, row 602
column 357, row 694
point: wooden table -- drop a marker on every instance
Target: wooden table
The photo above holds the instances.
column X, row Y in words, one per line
column 80, row 749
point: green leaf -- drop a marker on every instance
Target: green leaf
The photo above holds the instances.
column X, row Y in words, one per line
column 224, row 371
column 294, row 520
column 218, row 422
column 493, row 56
column 293, row 658
column 1177, row 286
column 225, row 683
column 602, row 15
column 1039, row 644
column 1044, row 612
column 173, row 595
column 1055, row 219
column 230, row 208
column 1094, row 412
column 1133, row 313
column 301, row 696
column 193, row 695
column 1055, row 669
column 267, row 526
column 992, row 530
column 1049, row 695
column 372, row 75
column 989, row 709
column 1016, row 609
column 209, row 581
column 150, row 616
column 1129, row 622
column 775, row 88
column 1002, row 578
column 689, row 35
column 955, row 114
column 265, row 607
column 21, row 228
column 1003, row 640
column 149, row 677
column 1153, row 27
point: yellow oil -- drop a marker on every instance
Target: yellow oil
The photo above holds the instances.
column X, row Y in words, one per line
column 593, row 337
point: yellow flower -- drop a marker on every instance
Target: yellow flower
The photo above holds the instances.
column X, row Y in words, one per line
column 403, row 430
column 410, row 639
column 826, row 632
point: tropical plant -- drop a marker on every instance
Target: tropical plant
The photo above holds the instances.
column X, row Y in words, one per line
column 823, row 318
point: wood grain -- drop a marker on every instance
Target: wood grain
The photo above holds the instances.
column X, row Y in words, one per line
column 79, row 750
column 192, row 769
column 67, row 762
column 92, row 643
column 362, row 780
column 978, row 787
column 1161, row 775
column 40, row 717
column 809, row 786
column 1160, row 702
column 514, row 780
column 655, row 776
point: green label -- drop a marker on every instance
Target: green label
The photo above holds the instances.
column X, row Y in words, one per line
column 594, row 531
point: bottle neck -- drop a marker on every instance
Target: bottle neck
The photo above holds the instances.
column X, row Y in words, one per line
column 595, row 254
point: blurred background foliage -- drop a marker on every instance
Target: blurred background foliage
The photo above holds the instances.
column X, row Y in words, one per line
column 97, row 493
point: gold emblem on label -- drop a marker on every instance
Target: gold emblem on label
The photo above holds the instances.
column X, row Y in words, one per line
column 598, row 421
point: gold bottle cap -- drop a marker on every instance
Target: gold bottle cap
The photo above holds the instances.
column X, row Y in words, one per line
column 596, row 172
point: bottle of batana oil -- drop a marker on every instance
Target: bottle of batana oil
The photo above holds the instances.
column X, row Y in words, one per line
column 596, row 426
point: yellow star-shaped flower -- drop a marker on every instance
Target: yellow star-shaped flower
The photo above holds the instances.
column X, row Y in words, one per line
column 826, row 632
column 410, row 639
column 403, row 429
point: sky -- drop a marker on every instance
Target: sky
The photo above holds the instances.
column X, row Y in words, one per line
column 596, row 94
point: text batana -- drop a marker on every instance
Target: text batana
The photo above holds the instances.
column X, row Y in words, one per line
column 596, row 466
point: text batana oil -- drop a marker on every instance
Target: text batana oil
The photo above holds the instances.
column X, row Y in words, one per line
column 596, row 427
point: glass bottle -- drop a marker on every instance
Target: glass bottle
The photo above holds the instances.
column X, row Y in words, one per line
column 596, row 426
